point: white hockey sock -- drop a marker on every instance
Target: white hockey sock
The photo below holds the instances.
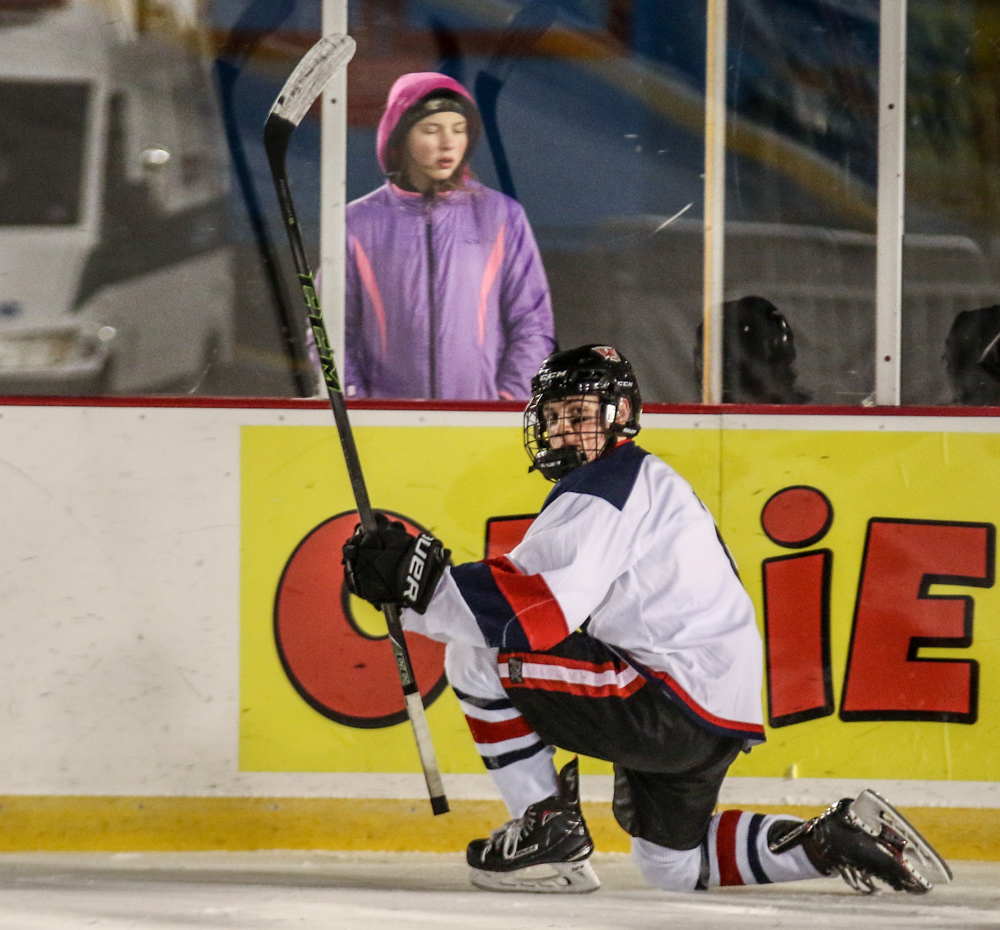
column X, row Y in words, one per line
column 738, row 852
column 516, row 758
column 514, row 755
column 668, row 869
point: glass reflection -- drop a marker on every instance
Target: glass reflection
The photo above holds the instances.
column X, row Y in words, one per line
column 593, row 121
column 141, row 248
column 42, row 138
column 114, row 271
column 801, row 181
column 950, row 271
column 597, row 113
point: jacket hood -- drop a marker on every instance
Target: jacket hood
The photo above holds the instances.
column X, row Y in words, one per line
column 408, row 90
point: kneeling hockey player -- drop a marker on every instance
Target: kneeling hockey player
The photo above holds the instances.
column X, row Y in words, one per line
column 618, row 629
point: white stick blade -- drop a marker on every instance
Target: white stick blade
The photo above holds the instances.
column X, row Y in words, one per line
column 328, row 56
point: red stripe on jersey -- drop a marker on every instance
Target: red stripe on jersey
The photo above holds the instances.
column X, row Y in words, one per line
column 533, row 604
column 725, row 848
column 740, row 726
column 542, row 658
column 486, row 731
column 582, row 688
column 575, row 687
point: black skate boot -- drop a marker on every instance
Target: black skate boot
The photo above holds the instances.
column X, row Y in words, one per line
column 551, row 836
column 864, row 840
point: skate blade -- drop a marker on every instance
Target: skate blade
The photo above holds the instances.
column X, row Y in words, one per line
column 551, row 878
column 873, row 811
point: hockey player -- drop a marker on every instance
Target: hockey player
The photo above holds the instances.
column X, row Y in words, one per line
column 618, row 628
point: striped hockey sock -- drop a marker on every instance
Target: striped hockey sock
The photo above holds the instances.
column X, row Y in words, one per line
column 516, row 758
column 738, row 855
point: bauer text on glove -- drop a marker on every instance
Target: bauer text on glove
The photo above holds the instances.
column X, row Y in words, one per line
column 389, row 565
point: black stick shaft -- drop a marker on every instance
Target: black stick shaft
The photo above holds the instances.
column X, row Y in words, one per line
column 277, row 131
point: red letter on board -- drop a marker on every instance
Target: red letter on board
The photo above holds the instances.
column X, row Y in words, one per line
column 797, row 633
column 797, row 607
column 344, row 673
column 504, row 533
column 896, row 616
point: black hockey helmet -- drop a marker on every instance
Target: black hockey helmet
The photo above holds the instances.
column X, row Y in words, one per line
column 758, row 354
column 589, row 370
column 972, row 355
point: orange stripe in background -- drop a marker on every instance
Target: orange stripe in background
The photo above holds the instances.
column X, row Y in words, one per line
column 489, row 276
column 371, row 286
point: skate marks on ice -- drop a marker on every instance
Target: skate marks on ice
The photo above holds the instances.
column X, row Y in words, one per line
column 400, row 891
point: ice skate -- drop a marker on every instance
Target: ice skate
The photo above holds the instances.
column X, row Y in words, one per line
column 544, row 851
column 865, row 840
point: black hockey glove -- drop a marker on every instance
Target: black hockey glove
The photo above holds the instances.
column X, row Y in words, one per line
column 390, row 566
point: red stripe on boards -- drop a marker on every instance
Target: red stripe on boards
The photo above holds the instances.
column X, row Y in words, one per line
column 725, row 848
column 485, row 731
column 533, row 604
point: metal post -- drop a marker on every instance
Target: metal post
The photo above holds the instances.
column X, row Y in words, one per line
column 333, row 190
column 715, row 199
column 891, row 201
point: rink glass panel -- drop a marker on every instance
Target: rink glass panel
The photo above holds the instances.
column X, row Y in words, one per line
column 151, row 208
column 950, row 250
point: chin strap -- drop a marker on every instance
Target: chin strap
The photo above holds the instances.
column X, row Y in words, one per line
column 557, row 463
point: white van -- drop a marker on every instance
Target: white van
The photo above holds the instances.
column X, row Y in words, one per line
column 115, row 272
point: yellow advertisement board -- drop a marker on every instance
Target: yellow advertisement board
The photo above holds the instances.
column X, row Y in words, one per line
column 869, row 555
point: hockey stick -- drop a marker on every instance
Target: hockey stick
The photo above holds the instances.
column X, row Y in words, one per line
column 327, row 57
column 529, row 24
column 228, row 66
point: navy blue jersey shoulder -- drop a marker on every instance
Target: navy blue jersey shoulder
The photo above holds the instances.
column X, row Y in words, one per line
column 611, row 477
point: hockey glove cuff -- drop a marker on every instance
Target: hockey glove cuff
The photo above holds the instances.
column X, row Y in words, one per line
column 389, row 565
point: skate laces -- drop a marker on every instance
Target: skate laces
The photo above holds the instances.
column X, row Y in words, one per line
column 508, row 837
column 860, row 880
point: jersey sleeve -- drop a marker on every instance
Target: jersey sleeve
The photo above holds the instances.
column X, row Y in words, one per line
column 559, row 574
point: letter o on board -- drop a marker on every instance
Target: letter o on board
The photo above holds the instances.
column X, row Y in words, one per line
column 343, row 672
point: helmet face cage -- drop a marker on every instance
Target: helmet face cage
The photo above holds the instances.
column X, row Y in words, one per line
column 595, row 372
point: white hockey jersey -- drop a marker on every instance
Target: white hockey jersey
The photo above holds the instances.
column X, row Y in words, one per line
column 624, row 543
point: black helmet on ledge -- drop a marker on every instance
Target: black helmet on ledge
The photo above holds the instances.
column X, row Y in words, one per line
column 598, row 371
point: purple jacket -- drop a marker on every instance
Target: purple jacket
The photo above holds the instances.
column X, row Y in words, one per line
column 444, row 298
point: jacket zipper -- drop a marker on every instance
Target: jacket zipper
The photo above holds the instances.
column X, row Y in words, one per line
column 432, row 308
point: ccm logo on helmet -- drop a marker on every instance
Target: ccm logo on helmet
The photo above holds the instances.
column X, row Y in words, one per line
column 416, row 570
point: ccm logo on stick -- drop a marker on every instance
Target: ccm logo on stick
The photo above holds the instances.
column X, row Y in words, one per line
column 416, row 569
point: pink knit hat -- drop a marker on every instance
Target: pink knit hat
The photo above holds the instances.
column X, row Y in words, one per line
column 409, row 91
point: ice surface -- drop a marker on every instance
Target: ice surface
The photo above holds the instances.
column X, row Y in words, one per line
column 399, row 891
